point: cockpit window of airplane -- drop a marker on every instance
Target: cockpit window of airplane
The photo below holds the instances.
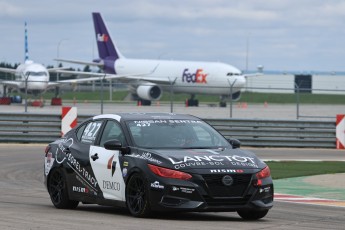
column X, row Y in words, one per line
column 38, row 74
column 233, row 74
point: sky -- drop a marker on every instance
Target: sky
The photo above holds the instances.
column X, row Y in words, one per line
column 284, row 35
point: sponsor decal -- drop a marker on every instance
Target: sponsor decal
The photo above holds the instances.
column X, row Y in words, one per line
column 112, row 165
column 235, row 160
column 146, row 156
column 197, row 77
column 124, row 172
column 125, row 164
column 265, row 190
column 102, row 37
column 226, row 170
column 157, row 185
column 73, row 163
column 88, row 186
column 110, row 185
column 80, row 189
column 62, row 148
column 147, row 123
column 183, row 189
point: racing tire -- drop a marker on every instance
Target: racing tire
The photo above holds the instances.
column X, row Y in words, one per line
column 252, row 214
column 57, row 188
column 137, row 197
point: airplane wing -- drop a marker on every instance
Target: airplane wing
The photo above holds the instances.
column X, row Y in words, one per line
column 11, row 83
column 252, row 74
column 100, row 64
column 7, row 70
column 128, row 78
column 55, row 70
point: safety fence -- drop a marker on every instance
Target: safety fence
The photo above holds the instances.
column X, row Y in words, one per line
column 44, row 128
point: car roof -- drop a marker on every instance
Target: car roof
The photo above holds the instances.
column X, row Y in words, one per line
column 146, row 116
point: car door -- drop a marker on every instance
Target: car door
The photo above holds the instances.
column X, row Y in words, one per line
column 106, row 163
column 83, row 180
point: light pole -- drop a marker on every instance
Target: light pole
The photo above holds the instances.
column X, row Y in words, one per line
column 172, row 83
column 231, row 87
column 57, row 55
column 26, row 91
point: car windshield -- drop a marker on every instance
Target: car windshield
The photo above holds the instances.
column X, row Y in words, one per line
column 175, row 134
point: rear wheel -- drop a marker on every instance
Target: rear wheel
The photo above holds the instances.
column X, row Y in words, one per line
column 137, row 196
column 57, row 189
column 252, row 214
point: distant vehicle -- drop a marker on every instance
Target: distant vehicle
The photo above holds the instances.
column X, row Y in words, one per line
column 30, row 75
column 156, row 162
column 148, row 78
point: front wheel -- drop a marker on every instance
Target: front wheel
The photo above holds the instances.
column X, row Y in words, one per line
column 57, row 189
column 137, row 196
column 252, row 214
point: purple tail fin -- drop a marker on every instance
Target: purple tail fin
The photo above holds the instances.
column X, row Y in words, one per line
column 106, row 48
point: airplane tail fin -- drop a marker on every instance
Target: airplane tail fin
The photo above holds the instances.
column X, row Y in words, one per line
column 106, row 47
column 26, row 43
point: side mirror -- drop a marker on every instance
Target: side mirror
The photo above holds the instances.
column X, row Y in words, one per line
column 113, row 145
column 236, row 144
column 116, row 145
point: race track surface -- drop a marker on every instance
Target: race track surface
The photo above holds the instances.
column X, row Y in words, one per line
column 25, row 204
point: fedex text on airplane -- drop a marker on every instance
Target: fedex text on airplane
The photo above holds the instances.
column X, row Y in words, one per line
column 197, row 77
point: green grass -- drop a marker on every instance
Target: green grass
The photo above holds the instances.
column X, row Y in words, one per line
column 248, row 97
column 288, row 169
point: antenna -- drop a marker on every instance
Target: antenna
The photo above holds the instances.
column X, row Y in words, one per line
column 26, row 43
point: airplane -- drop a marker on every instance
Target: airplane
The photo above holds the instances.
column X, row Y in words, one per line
column 147, row 79
column 31, row 77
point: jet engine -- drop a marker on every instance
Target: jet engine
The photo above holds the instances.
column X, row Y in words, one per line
column 236, row 96
column 149, row 91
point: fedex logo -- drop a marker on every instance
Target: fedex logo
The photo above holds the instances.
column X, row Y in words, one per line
column 102, row 37
column 197, row 77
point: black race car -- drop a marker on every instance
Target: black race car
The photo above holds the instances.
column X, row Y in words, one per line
column 155, row 162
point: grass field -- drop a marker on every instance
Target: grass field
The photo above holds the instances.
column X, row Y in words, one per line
column 249, row 97
column 288, row 169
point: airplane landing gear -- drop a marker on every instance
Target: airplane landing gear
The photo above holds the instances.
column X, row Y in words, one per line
column 56, row 100
column 192, row 101
column 143, row 102
column 222, row 102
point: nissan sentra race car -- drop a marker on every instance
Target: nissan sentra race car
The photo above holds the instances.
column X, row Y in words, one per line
column 151, row 162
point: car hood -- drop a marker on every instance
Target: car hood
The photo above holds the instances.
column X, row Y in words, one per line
column 220, row 160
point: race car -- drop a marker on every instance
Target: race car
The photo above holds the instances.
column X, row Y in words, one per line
column 154, row 162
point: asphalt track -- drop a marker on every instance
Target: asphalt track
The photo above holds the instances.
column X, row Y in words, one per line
column 25, row 204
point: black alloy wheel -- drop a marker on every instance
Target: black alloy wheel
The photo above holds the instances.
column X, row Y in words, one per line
column 252, row 214
column 58, row 191
column 137, row 196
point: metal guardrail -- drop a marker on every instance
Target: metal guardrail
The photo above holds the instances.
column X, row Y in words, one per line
column 44, row 128
column 278, row 133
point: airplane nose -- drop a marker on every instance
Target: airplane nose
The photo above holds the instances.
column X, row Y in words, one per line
column 238, row 81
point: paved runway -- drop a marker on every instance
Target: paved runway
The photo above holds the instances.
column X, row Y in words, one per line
column 25, row 204
column 260, row 111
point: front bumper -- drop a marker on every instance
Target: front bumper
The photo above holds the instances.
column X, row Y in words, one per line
column 205, row 194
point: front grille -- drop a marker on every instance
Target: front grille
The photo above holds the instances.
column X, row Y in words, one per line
column 226, row 202
column 217, row 189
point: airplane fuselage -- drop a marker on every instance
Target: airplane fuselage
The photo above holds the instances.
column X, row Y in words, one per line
column 37, row 77
column 190, row 77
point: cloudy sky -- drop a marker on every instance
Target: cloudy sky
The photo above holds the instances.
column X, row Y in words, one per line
column 288, row 35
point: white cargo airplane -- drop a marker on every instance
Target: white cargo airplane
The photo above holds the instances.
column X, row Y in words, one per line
column 35, row 76
column 148, row 78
